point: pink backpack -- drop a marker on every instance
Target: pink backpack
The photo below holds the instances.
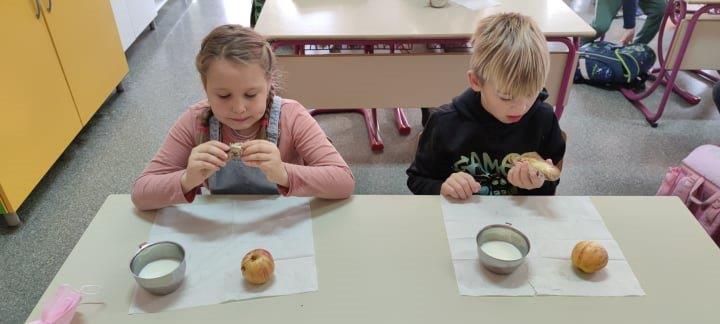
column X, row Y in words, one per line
column 697, row 182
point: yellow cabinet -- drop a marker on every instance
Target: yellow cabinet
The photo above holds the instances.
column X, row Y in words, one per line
column 38, row 115
column 89, row 48
column 58, row 66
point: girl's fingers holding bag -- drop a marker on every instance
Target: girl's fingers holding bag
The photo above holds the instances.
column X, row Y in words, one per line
column 220, row 145
column 209, row 158
column 217, row 152
column 257, row 157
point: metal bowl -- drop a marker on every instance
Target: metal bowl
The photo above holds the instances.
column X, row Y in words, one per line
column 438, row 3
column 165, row 283
column 504, row 233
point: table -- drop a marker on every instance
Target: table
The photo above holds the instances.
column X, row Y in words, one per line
column 383, row 80
column 385, row 259
column 697, row 26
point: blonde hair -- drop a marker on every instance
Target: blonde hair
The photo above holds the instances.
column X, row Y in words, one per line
column 240, row 45
column 510, row 51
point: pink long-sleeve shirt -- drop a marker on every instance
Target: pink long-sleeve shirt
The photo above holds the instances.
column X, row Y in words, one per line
column 313, row 165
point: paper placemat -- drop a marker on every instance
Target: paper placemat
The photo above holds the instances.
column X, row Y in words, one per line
column 216, row 236
column 554, row 225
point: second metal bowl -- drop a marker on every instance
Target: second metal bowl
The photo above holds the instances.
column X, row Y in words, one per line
column 506, row 234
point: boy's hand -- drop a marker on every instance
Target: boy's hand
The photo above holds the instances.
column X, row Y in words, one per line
column 524, row 176
column 266, row 156
column 204, row 160
column 459, row 185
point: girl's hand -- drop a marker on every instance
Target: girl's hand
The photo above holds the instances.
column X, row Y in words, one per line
column 266, row 156
column 459, row 185
column 628, row 36
column 204, row 160
column 524, row 176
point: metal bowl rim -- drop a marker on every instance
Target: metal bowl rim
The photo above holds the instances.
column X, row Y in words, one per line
column 508, row 227
column 147, row 246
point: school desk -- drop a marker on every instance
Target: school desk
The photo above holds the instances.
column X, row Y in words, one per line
column 386, row 259
column 390, row 77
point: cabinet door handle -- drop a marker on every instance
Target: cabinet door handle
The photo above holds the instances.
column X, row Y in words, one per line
column 37, row 9
column 49, row 5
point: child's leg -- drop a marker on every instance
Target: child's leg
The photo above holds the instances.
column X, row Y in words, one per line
column 638, row 10
column 655, row 10
column 426, row 115
column 605, row 11
column 257, row 6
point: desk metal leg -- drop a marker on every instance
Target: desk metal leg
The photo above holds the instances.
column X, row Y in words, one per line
column 663, row 76
column 12, row 219
column 686, row 95
column 401, row 122
column 707, row 76
column 572, row 45
column 371, row 123
column 376, row 143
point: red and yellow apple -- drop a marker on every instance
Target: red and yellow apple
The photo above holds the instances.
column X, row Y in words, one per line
column 257, row 266
column 589, row 256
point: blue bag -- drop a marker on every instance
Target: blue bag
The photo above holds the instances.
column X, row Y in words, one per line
column 609, row 65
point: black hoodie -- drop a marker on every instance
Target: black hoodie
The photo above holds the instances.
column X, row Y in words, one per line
column 463, row 136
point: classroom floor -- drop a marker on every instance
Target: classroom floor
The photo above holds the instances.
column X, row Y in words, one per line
column 611, row 149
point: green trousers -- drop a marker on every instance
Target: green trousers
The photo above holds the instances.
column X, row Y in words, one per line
column 257, row 6
column 605, row 11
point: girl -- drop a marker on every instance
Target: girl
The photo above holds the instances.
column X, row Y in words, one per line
column 283, row 148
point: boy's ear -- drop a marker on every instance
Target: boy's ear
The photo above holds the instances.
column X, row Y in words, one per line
column 475, row 83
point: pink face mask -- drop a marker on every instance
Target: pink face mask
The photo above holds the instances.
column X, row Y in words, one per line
column 61, row 308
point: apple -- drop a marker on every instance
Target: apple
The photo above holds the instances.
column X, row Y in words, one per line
column 589, row 256
column 257, row 266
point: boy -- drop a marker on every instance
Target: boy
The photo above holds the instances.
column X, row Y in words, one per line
column 467, row 145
